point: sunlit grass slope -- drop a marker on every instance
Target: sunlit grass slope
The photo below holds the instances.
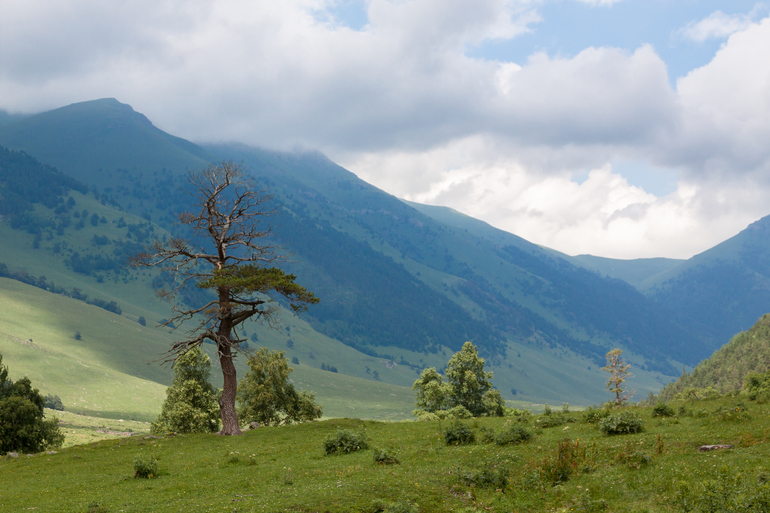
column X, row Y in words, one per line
column 109, row 371
column 284, row 469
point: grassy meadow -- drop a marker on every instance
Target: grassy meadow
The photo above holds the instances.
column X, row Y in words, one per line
column 570, row 466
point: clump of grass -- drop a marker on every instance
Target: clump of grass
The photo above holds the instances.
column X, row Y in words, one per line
column 566, row 460
column 95, row 507
column 401, row 506
column 345, row 441
column 145, row 468
column 459, row 434
column 623, row 423
column 490, row 477
column 384, row 457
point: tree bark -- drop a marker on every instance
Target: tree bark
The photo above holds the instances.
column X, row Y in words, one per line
column 227, row 401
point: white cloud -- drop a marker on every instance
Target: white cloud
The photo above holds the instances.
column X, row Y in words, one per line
column 600, row 2
column 717, row 25
column 402, row 104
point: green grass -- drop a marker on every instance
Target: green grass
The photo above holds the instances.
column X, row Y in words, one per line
column 109, row 372
column 283, row 468
column 82, row 429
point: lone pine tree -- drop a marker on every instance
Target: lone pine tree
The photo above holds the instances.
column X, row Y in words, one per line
column 227, row 254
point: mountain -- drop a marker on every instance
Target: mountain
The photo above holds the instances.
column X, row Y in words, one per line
column 722, row 290
column 725, row 370
column 401, row 284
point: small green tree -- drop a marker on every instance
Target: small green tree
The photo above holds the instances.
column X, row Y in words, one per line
column 467, row 386
column 467, row 380
column 22, row 418
column 191, row 402
column 618, row 370
column 266, row 395
column 431, row 393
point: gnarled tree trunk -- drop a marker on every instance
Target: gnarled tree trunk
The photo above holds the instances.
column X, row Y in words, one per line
column 230, row 388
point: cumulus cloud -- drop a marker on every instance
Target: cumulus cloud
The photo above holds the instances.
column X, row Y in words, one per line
column 717, row 25
column 401, row 103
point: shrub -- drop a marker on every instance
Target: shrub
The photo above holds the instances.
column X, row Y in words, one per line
column 495, row 478
column 191, row 402
column 384, row 457
column 487, row 435
column 459, row 434
column 54, row 402
column 734, row 413
column 345, row 441
column 266, row 394
column 146, row 469
column 568, row 458
column 402, row 506
column 513, row 435
column 662, row 410
column 595, row 415
column 623, row 423
column 553, row 420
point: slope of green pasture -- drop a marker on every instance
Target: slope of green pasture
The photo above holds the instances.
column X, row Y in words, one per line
column 569, row 467
column 638, row 272
column 110, row 372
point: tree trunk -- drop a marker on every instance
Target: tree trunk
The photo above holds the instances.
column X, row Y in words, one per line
column 230, row 388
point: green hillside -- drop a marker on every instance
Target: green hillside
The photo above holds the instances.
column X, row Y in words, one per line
column 639, row 272
column 397, row 285
column 725, row 370
column 562, row 468
column 112, row 371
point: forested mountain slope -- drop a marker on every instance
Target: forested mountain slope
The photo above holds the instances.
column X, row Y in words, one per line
column 726, row 369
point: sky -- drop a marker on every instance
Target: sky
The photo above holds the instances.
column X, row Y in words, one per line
column 619, row 128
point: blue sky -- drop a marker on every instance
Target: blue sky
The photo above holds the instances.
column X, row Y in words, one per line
column 622, row 128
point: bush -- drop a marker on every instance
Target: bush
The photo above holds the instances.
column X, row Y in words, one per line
column 459, row 434
column 513, row 435
column 624, row 423
column 145, row 469
column 495, row 478
column 191, row 402
column 384, row 457
column 54, row 402
column 23, row 426
column 595, row 415
column 345, row 441
column 553, row 420
column 402, row 506
column 266, row 395
column 662, row 410
column 568, row 458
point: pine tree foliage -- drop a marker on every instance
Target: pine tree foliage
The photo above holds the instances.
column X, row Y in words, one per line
column 191, row 402
column 267, row 396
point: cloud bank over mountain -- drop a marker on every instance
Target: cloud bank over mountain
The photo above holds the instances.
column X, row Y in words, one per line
column 535, row 147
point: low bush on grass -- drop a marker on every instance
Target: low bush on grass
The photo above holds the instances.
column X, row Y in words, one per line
column 724, row 492
column 566, row 460
column 385, row 506
column 145, row 469
column 621, row 424
column 662, row 410
column 345, row 441
column 513, row 435
column 553, row 420
column 494, row 478
column 459, row 434
column 595, row 415
column 384, row 457
column 734, row 413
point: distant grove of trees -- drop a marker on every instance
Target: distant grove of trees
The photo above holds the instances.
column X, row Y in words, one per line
column 42, row 283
